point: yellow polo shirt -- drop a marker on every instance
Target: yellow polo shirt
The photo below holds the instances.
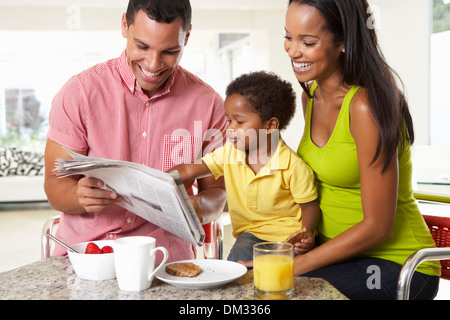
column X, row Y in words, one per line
column 265, row 204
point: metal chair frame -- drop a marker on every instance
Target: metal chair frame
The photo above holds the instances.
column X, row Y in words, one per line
column 49, row 228
column 213, row 245
column 427, row 254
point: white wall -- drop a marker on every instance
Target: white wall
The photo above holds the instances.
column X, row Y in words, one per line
column 404, row 37
column 439, row 85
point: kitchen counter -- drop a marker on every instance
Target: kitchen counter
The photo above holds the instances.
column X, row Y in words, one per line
column 55, row 279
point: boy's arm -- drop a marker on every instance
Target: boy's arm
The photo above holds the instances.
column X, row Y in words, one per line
column 310, row 218
column 209, row 203
column 191, row 171
column 310, row 215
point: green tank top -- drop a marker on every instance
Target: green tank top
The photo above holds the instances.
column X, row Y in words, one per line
column 336, row 172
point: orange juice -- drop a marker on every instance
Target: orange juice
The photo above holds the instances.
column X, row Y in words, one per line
column 273, row 272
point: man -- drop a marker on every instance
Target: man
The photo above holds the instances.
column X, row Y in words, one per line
column 137, row 108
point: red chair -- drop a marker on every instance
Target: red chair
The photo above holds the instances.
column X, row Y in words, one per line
column 213, row 245
column 439, row 228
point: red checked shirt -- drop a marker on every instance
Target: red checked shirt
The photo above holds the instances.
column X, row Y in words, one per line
column 103, row 111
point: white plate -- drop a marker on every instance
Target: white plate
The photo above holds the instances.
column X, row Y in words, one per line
column 215, row 274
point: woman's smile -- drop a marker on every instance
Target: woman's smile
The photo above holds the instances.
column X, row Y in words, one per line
column 301, row 66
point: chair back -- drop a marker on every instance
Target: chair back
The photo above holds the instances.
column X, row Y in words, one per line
column 50, row 226
column 213, row 244
column 439, row 228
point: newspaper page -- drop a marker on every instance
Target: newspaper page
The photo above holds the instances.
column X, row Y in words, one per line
column 156, row 196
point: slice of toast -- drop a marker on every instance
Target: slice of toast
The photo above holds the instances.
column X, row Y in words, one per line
column 297, row 236
column 183, row 269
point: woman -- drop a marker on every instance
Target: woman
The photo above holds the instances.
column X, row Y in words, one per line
column 357, row 137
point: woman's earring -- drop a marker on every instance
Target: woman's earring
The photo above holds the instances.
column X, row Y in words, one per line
column 343, row 50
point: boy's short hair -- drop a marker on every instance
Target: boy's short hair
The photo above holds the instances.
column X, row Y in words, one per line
column 165, row 11
column 269, row 95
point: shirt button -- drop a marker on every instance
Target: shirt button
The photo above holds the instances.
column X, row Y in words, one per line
column 147, row 104
column 129, row 220
column 111, row 236
column 250, row 185
column 144, row 134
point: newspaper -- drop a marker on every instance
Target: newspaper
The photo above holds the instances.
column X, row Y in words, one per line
column 156, row 196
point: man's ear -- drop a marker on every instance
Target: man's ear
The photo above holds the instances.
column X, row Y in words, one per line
column 187, row 35
column 124, row 26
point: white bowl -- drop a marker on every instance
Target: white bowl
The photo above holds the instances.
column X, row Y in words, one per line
column 93, row 266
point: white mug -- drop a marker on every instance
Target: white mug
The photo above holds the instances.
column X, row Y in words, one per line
column 134, row 259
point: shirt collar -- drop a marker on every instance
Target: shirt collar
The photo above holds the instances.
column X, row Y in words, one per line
column 130, row 80
column 240, row 155
column 279, row 161
column 126, row 73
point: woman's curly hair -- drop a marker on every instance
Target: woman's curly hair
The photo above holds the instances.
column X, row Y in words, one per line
column 268, row 94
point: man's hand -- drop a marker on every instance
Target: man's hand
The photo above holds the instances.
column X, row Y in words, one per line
column 92, row 198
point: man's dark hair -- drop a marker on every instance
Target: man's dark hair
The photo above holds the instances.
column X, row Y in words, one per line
column 268, row 94
column 165, row 11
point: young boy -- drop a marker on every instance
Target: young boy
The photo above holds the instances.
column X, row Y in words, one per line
column 270, row 190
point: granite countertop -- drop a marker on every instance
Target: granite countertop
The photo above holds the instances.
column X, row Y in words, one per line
column 55, row 279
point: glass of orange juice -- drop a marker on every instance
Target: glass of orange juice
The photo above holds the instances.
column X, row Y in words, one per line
column 273, row 270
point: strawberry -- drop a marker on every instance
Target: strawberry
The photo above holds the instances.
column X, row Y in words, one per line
column 92, row 248
column 107, row 249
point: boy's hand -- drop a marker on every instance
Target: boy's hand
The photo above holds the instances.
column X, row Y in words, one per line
column 305, row 244
column 302, row 240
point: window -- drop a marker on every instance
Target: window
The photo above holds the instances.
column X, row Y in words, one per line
column 234, row 58
column 439, row 73
column 22, row 116
column 33, row 67
column 432, row 167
